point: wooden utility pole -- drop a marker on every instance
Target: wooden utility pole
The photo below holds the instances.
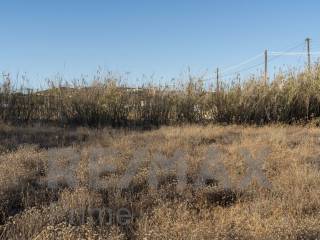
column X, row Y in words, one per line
column 217, row 84
column 266, row 67
column 308, row 53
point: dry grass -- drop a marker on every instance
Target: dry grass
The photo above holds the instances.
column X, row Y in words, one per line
column 290, row 98
column 289, row 210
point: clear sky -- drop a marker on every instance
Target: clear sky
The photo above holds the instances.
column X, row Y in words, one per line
column 155, row 38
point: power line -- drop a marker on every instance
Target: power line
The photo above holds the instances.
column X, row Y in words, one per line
column 271, row 59
column 240, row 71
column 287, row 50
column 243, row 63
column 245, row 69
column 292, row 53
column 275, row 55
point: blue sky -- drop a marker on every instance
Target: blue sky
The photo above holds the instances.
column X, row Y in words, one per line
column 154, row 38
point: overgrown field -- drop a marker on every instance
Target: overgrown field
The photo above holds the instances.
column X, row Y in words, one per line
column 291, row 97
column 236, row 183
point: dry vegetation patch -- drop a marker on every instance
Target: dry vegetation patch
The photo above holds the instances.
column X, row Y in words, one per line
column 161, row 207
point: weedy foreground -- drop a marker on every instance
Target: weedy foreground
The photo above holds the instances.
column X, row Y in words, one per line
column 109, row 184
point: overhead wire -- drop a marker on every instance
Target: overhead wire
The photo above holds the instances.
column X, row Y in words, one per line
column 288, row 50
column 292, row 53
column 271, row 59
column 243, row 63
column 275, row 55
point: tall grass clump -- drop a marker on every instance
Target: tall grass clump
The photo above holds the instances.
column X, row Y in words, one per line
column 290, row 98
